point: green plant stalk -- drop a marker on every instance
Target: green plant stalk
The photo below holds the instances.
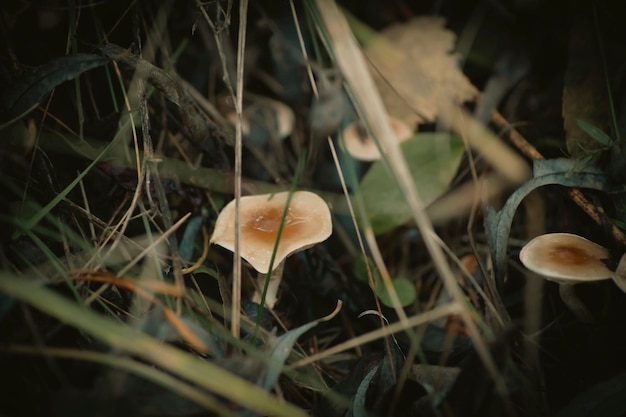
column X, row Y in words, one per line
column 205, row 374
column 292, row 189
column 211, row 179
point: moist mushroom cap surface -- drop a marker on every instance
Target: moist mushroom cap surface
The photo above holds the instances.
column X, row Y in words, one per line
column 307, row 223
column 566, row 258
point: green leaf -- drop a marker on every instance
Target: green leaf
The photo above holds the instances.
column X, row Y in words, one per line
column 359, row 408
column 597, row 134
column 282, row 347
column 28, row 90
column 187, row 243
column 433, row 160
column 280, row 352
column 359, row 269
column 404, row 288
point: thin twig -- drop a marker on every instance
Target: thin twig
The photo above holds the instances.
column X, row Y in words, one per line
column 200, row 128
column 414, row 321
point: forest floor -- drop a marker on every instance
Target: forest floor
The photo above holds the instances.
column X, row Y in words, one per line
column 367, row 171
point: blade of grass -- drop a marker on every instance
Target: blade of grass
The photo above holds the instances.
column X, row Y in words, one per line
column 205, row 374
column 292, row 189
column 129, row 365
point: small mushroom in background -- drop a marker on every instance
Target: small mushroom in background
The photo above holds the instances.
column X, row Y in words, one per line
column 265, row 119
column 569, row 259
column 307, row 223
column 360, row 145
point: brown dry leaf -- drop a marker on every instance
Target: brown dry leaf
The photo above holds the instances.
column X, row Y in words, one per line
column 419, row 79
column 402, row 67
column 415, row 68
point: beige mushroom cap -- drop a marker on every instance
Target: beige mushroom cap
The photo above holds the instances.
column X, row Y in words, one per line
column 275, row 115
column 361, row 145
column 307, row 223
column 566, row 258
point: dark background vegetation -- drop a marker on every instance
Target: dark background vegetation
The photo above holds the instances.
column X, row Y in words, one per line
column 531, row 35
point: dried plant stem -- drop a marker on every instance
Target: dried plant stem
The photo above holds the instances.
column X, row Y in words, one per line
column 354, row 68
column 236, row 295
column 508, row 163
column 414, row 321
column 200, row 128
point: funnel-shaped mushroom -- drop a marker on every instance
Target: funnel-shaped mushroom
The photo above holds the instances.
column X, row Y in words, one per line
column 567, row 259
column 307, row 223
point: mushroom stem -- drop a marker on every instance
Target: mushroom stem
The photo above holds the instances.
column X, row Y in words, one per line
column 272, row 287
column 620, row 273
column 576, row 306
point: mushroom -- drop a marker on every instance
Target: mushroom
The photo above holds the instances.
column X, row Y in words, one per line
column 265, row 119
column 570, row 259
column 619, row 278
column 307, row 223
column 360, row 145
